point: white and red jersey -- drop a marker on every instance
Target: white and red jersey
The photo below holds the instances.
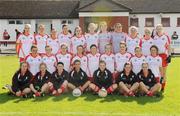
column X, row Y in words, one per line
column 110, row 61
column 146, row 45
column 137, row 63
column 54, row 43
column 155, row 62
column 93, row 63
column 121, row 59
column 41, row 42
column 65, row 39
column 162, row 42
column 65, row 59
column 25, row 42
column 90, row 40
column 116, row 38
column 34, row 63
column 104, row 39
column 84, row 62
column 50, row 62
column 132, row 43
column 76, row 41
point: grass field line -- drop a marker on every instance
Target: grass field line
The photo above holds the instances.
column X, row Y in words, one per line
column 85, row 113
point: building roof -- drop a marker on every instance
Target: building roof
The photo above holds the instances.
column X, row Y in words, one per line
column 136, row 6
column 38, row 9
column 58, row 9
column 102, row 6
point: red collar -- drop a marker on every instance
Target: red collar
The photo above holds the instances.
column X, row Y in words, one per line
column 109, row 53
column 154, row 56
column 80, row 56
column 49, row 55
column 122, row 54
column 138, row 56
column 26, row 34
column 145, row 38
column 33, row 55
column 78, row 37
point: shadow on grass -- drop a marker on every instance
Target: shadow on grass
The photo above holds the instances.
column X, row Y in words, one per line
column 40, row 99
column 4, row 98
column 59, row 98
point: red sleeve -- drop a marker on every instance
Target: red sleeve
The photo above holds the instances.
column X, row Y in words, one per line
column 140, row 43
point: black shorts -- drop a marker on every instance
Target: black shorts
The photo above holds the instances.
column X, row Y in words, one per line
column 38, row 86
column 57, row 85
column 150, row 85
column 19, row 88
column 77, row 84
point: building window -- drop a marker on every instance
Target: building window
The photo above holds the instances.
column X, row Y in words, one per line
column 165, row 22
column 67, row 22
column 134, row 22
column 149, row 22
column 70, row 21
column 11, row 22
column 27, row 22
column 19, row 22
column 178, row 21
column 63, row 22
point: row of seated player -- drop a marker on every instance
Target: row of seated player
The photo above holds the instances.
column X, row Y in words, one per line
column 127, row 83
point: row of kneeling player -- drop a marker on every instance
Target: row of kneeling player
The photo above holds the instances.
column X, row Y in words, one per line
column 127, row 82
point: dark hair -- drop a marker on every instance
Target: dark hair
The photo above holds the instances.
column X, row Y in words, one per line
column 33, row 46
column 127, row 63
column 76, row 61
column 60, row 63
column 64, row 25
column 102, row 61
column 93, row 45
column 80, row 46
column 154, row 46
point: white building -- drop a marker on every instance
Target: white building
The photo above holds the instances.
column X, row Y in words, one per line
column 54, row 13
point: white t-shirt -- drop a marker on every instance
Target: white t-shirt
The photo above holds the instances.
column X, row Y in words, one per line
column 104, row 39
column 66, row 59
column 26, row 42
column 110, row 61
column 34, row 63
column 162, row 43
column 41, row 42
column 75, row 41
column 146, row 45
column 154, row 64
column 54, row 43
column 90, row 40
column 132, row 44
column 50, row 62
column 116, row 38
column 121, row 59
column 65, row 39
column 84, row 62
column 137, row 63
column 93, row 63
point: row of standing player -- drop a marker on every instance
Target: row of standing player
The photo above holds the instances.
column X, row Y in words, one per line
column 101, row 39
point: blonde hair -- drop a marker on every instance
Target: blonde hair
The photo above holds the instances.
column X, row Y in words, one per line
column 41, row 25
column 27, row 25
column 93, row 25
column 133, row 28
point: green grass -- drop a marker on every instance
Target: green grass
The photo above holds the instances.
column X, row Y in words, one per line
column 90, row 105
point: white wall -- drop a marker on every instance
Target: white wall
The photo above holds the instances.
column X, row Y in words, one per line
column 157, row 19
column 57, row 24
column 4, row 24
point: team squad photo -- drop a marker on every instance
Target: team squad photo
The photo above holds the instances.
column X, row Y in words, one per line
column 99, row 61
column 89, row 57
